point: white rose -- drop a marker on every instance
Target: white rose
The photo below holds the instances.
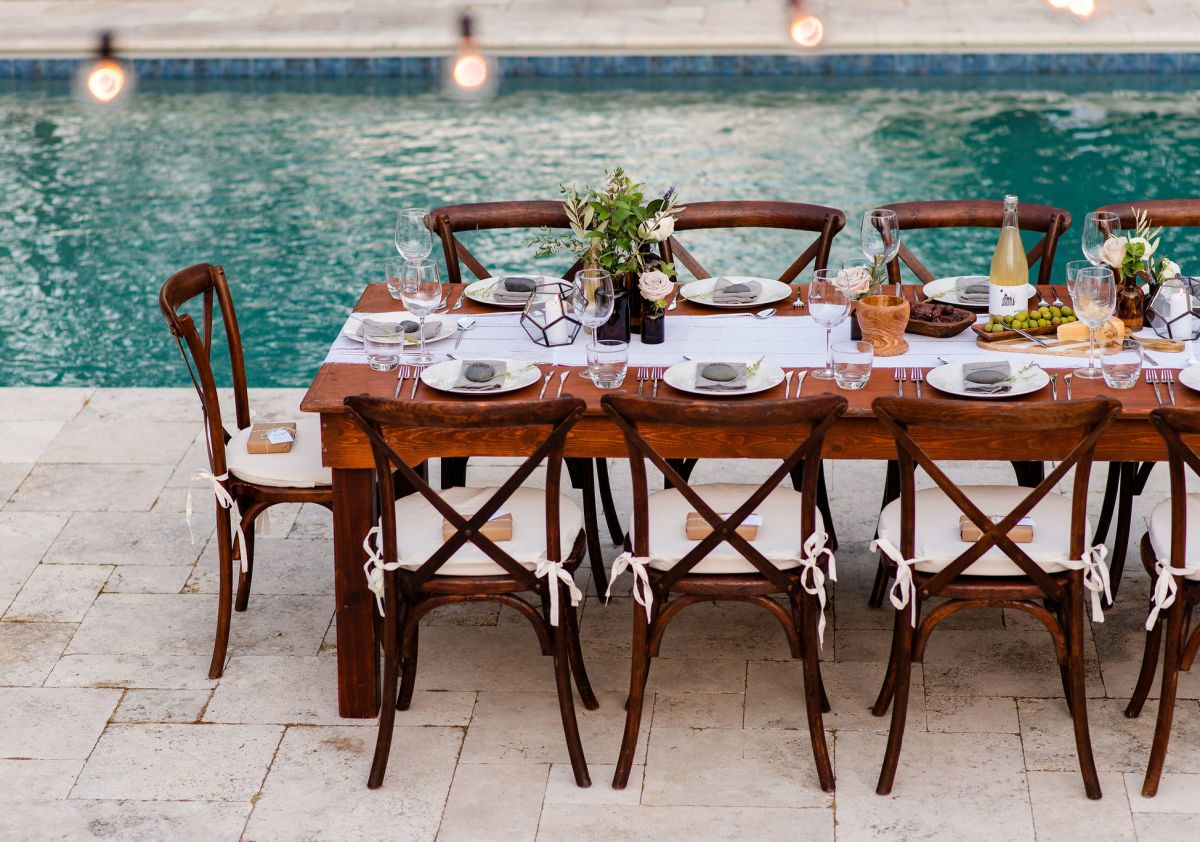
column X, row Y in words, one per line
column 1169, row 269
column 854, row 279
column 1150, row 247
column 1113, row 251
column 655, row 286
column 657, row 229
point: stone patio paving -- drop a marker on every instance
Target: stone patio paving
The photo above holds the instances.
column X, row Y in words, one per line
column 109, row 728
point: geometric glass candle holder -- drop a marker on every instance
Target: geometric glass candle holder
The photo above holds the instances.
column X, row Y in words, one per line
column 1174, row 308
column 547, row 317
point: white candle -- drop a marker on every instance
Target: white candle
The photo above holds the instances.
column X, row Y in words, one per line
column 557, row 333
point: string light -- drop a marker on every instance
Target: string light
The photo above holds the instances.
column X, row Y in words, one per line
column 470, row 75
column 106, row 81
column 1079, row 8
column 805, row 28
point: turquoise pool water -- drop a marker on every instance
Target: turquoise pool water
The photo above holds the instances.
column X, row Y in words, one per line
column 293, row 187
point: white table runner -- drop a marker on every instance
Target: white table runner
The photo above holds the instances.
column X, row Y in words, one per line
column 786, row 341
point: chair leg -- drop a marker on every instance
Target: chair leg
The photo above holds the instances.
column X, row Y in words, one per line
column 586, row 694
column 1166, row 702
column 410, row 640
column 1078, row 695
column 1111, row 486
column 797, row 475
column 638, row 674
column 814, row 694
column 903, row 680
column 566, row 700
column 1146, row 675
column 580, row 471
column 245, row 577
column 224, row 593
column 607, row 505
column 387, row 711
column 891, row 490
column 1116, row 564
column 888, row 689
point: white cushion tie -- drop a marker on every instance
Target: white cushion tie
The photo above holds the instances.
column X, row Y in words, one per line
column 636, row 566
column 1095, row 577
column 814, row 548
column 904, row 589
column 1166, row 588
column 375, row 565
column 552, row 570
column 225, row 501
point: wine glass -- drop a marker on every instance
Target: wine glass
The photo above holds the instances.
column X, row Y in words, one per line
column 421, row 292
column 1098, row 227
column 593, row 298
column 880, row 237
column 1073, row 267
column 413, row 239
column 829, row 305
column 1095, row 299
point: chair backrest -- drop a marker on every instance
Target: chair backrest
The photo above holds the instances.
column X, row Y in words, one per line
column 536, row 428
column 645, row 421
column 982, row 213
column 1162, row 213
column 451, row 220
column 1173, row 424
column 794, row 216
column 1079, row 423
column 208, row 283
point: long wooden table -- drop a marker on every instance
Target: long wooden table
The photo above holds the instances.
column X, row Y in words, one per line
column 855, row 436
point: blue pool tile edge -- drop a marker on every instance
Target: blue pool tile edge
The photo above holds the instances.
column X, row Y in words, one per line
column 782, row 64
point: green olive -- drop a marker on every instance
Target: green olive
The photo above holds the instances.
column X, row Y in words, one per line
column 1067, row 311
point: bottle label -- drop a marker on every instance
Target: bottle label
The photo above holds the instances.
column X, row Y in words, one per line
column 1006, row 300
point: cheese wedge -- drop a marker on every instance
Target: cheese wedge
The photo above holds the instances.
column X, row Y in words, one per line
column 1111, row 331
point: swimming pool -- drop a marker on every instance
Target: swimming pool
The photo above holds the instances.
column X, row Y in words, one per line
column 293, row 185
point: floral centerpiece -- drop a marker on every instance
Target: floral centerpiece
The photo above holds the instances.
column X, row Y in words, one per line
column 1133, row 257
column 616, row 228
column 862, row 280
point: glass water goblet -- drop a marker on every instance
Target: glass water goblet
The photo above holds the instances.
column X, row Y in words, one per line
column 392, row 270
column 1095, row 300
column 593, row 298
column 1098, row 227
column 880, row 236
column 421, row 291
column 1073, row 267
column 829, row 306
column 413, row 240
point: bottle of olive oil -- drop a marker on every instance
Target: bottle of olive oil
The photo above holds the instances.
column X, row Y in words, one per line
column 1010, row 270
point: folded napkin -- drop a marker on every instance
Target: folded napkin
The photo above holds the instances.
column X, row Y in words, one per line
column 721, row 377
column 974, row 293
column 728, row 292
column 514, row 289
column 987, row 378
column 407, row 330
column 388, row 332
column 480, row 375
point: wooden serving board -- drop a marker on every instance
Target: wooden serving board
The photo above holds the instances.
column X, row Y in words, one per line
column 1072, row 348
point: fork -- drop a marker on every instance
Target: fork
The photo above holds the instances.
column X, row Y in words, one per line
column 1054, row 387
column 1152, row 379
column 918, row 377
column 401, row 375
column 416, row 376
column 1067, row 380
column 898, row 376
column 545, row 383
column 797, row 303
column 655, row 375
column 1170, row 380
column 641, row 381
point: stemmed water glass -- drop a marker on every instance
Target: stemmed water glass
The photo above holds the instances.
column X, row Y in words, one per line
column 1098, row 227
column 421, row 292
column 1095, row 298
column 829, row 305
column 413, row 240
column 593, row 298
column 880, row 237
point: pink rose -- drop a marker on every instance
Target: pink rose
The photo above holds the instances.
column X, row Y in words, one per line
column 655, row 286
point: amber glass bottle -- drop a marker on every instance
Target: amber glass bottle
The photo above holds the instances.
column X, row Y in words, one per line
column 1131, row 304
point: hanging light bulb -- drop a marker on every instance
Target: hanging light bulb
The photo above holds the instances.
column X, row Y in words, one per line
column 1082, row 8
column 470, row 75
column 106, row 81
column 805, row 28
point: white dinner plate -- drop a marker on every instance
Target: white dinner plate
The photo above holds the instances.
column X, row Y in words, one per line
column 700, row 292
column 443, row 376
column 682, row 376
column 948, row 379
column 481, row 291
column 1190, row 376
column 945, row 290
column 353, row 327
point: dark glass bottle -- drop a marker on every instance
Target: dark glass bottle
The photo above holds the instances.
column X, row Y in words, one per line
column 1131, row 304
column 654, row 328
column 617, row 326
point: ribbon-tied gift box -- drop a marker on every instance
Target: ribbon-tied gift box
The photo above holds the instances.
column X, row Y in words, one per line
column 499, row 528
column 1022, row 533
column 271, row 437
column 698, row 528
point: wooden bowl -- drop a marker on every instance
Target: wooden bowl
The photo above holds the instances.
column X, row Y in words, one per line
column 883, row 319
column 941, row 330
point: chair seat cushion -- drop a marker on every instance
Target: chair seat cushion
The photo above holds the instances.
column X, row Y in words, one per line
column 778, row 537
column 1160, row 532
column 937, row 531
column 419, row 530
column 300, row 467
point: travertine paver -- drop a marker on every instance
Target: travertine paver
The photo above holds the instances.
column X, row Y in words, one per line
column 110, row 728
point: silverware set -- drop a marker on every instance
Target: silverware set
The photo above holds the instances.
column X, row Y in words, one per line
column 562, row 378
column 651, row 374
column 799, row 374
column 1166, row 377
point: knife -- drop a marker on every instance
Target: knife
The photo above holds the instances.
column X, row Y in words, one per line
column 562, row 378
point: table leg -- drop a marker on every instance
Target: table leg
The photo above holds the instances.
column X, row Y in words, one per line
column 357, row 655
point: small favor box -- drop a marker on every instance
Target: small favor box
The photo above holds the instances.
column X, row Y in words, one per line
column 1022, row 533
column 271, row 437
column 499, row 528
column 698, row 528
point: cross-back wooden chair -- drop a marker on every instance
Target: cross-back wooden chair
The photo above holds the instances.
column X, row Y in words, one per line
column 1128, row 479
column 823, row 221
column 976, row 213
column 244, row 484
column 1171, row 555
column 1047, row 578
column 413, row 570
column 787, row 557
column 449, row 223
